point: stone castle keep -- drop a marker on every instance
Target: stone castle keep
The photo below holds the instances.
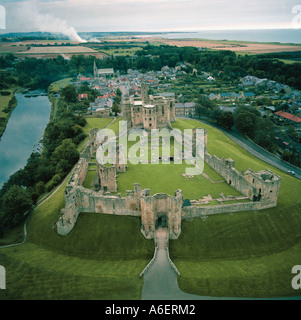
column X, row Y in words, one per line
column 259, row 189
column 149, row 112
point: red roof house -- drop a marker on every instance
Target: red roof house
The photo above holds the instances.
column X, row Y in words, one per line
column 82, row 96
column 288, row 116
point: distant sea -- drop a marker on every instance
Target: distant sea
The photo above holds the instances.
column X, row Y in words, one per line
column 279, row 35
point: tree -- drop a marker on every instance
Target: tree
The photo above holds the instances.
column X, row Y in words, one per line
column 66, row 151
column 291, row 157
column 292, row 132
column 40, row 187
column 246, row 123
column 116, row 108
column 16, row 202
column 205, row 102
column 226, row 119
column 202, row 111
column 69, row 94
column 119, row 92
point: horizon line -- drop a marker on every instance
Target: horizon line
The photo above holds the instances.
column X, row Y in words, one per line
column 162, row 31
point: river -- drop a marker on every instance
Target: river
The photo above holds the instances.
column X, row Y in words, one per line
column 23, row 133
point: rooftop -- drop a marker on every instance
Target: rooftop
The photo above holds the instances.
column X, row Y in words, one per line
column 288, row 116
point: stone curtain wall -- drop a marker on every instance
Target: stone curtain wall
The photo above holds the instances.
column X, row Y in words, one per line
column 136, row 203
column 203, row 211
column 258, row 186
column 83, row 200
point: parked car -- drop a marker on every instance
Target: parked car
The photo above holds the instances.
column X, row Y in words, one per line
column 293, row 173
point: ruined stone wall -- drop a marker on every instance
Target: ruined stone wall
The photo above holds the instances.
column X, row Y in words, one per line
column 81, row 200
column 136, row 203
column 258, row 186
column 196, row 212
column 107, row 178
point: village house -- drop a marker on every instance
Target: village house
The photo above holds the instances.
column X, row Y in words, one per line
column 212, row 96
column 82, row 96
column 224, row 96
column 185, row 109
column 247, row 95
column 288, row 118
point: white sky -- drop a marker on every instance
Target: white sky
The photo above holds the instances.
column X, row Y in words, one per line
column 147, row 15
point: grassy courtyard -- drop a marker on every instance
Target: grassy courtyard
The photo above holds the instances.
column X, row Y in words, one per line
column 167, row 178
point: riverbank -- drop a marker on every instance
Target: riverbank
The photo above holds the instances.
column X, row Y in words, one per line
column 8, row 104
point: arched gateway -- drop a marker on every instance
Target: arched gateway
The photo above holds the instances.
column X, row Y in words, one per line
column 161, row 210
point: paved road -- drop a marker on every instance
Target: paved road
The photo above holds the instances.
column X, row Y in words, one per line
column 256, row 150
column 161, row 281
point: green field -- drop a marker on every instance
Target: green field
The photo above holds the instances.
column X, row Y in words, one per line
column 58, row 85
column 247, row 254
column 120, row 51
column 98, row 123
column 243, row 254
column 287, row 61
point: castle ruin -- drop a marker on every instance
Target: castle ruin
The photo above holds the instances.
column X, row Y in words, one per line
column 149, row 111
column 260, row 189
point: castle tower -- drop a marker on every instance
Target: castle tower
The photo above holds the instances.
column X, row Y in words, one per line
column 172, row 110
column 126, row 106
column 144, row 93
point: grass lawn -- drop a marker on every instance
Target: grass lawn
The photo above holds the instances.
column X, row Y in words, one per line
column 92, row 123
column 58, row 85
column 98, row 123
column 90, row 263
column 115, row 125
column 163, row 178
column 88, row 183
column 247, row 254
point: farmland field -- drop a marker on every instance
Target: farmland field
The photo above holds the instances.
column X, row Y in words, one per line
column 47, row 49
column 59, row 50
column 240, row 47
